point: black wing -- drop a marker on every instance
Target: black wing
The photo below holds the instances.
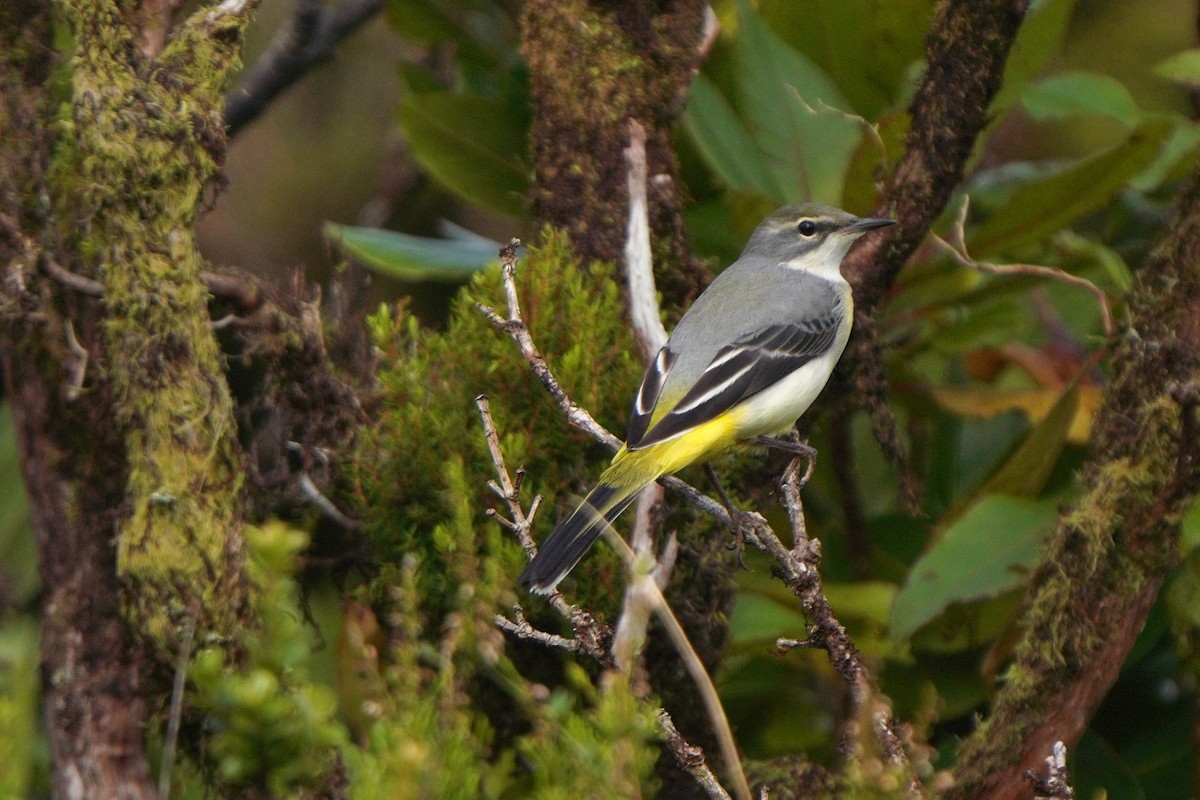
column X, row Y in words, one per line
column 647, row 396
column 739, row 371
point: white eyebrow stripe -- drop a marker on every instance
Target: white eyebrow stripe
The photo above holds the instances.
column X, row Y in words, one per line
column 713, row 392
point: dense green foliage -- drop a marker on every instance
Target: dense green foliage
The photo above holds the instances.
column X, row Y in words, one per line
column 405, row 683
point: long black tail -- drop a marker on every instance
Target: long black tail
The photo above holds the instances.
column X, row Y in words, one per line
column 571, row 539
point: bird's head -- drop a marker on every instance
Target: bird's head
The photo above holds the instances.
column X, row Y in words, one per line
column 809, row 236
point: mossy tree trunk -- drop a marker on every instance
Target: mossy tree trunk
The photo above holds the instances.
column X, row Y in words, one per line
column 593, row 68
column 125, row 420
column 1092, row 590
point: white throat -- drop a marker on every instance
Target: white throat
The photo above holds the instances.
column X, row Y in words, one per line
column 825, row 260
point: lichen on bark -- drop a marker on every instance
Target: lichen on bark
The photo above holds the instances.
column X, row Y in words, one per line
column 1092, row 590
column 141, row 140
column 593, row 67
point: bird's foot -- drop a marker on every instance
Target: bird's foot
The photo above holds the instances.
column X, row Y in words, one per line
column 741, row 521
column 795, row 446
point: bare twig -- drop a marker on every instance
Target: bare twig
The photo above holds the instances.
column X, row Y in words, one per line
column 639, row 267
column 957, row 248
column 691, row 759
column 592, row 636
column 309, row 489
column 74, row 280
column 241, row 292
column 826, row 631
column 79, row 371
column 309, row 39
column 521, row 629
column 507, row 490
column 515, row 327
column 176, row 710
column 1055, row 783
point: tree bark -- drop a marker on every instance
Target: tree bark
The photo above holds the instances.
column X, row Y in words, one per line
column 1092, row 590
column 593, row 67
column 124, row 419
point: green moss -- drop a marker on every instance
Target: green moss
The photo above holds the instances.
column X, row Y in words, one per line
column 611, row 752
column 592, row 68
column 139, row 144
column 428, row 385
column 18, row 706
column 270, row 726
column 450, row 682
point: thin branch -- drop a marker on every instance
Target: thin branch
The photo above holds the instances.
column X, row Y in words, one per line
column 592, row 636
column 515, row 327
column 957, row 248
column 639, row 266
column 73, row 280
column 79, row 371
column 691, row 759
column 521, row 629
column 176, row 710
column 1054, row 783
column 826, row 631
column 309, row 39
column 309, row 489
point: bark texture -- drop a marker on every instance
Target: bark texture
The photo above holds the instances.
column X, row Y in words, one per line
column 966, row 50
column 1092, row 590
column 124, row 422
column 143, row 143
column 594, row 66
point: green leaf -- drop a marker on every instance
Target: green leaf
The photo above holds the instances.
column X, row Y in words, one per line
column 480, row 32
column 1051, row 202
column 1097, row 766
column 869, row 600
column 724, row 143
column 860, row 193
column 1189, row 536
column 865, row 45
column 18, row 554
column 1182, row 67
column 20, row 733
column 1026, row 471
column 781, row 96
column 981, row 556
column 414, row 258
column 1176, row 160
column 1037, row 41
column 1070, row 93
column 760, row 616
column 471, row 144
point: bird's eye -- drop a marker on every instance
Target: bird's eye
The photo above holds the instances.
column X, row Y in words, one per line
column 807, row 227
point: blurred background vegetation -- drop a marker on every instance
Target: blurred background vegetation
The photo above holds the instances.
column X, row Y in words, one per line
column 420, row 120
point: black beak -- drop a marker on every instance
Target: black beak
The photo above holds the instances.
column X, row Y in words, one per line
column 869, row 223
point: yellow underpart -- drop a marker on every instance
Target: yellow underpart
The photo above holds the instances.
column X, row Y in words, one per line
column 632, row 469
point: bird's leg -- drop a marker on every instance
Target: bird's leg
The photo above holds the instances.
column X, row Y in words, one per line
column 792, row 444
column 737, row 517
